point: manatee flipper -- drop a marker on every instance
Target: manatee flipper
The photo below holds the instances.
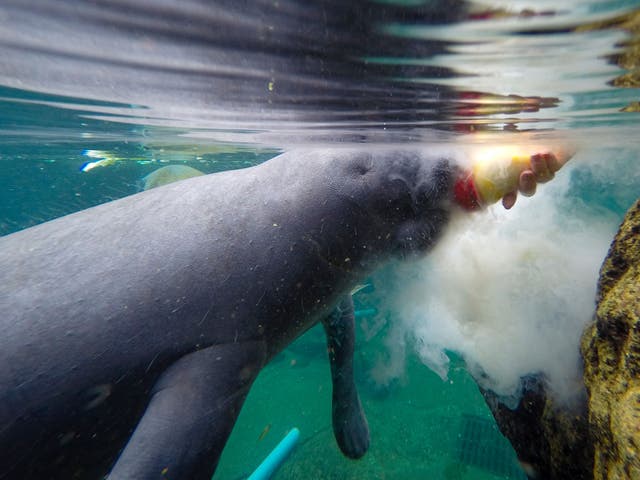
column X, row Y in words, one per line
column 193, row 407
column 349, row 422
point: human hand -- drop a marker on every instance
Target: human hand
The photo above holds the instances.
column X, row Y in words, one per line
column 542, row 168
column 500, row 173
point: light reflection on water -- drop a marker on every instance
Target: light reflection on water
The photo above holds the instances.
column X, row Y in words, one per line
column 220, row 86
column 298, row 74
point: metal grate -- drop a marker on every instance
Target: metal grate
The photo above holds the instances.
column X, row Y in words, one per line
column 481, row 445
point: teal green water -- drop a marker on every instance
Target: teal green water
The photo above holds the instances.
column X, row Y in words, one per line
column 420, row 427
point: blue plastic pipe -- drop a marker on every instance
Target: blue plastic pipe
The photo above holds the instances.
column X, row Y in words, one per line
column 277, row 457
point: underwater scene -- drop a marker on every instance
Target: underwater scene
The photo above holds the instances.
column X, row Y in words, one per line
column 232, row 299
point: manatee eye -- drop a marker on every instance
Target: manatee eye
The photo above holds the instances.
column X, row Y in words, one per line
column 399, row 183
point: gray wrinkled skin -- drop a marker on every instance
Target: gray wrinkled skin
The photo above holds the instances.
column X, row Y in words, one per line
column 153, row 314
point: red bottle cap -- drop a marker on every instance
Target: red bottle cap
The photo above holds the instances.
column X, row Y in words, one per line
column 465, row 193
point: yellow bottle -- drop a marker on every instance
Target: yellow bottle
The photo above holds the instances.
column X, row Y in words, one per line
column 496, row 176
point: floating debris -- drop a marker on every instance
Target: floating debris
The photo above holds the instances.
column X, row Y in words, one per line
column 264, row 432
column 103, row 157
column 169, row 174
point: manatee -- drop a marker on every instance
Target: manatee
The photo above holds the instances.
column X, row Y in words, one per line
column 133, row 331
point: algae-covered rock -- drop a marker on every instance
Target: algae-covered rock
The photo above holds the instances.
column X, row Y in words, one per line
column 611, row 352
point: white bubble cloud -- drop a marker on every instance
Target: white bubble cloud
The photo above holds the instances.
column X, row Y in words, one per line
column 511, row 291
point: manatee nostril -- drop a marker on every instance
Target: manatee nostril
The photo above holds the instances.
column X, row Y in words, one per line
column 97, row 395
column 362, row 168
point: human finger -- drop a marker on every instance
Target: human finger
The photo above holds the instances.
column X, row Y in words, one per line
column 555, row 162
column 527, row 183
column 560, row 157
column 542, row 166
column 509, row 200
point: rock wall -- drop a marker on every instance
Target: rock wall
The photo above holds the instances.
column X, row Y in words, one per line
column 551, row 440
column 611, row 352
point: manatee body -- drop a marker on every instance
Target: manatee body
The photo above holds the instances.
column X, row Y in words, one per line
column 132, row 331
